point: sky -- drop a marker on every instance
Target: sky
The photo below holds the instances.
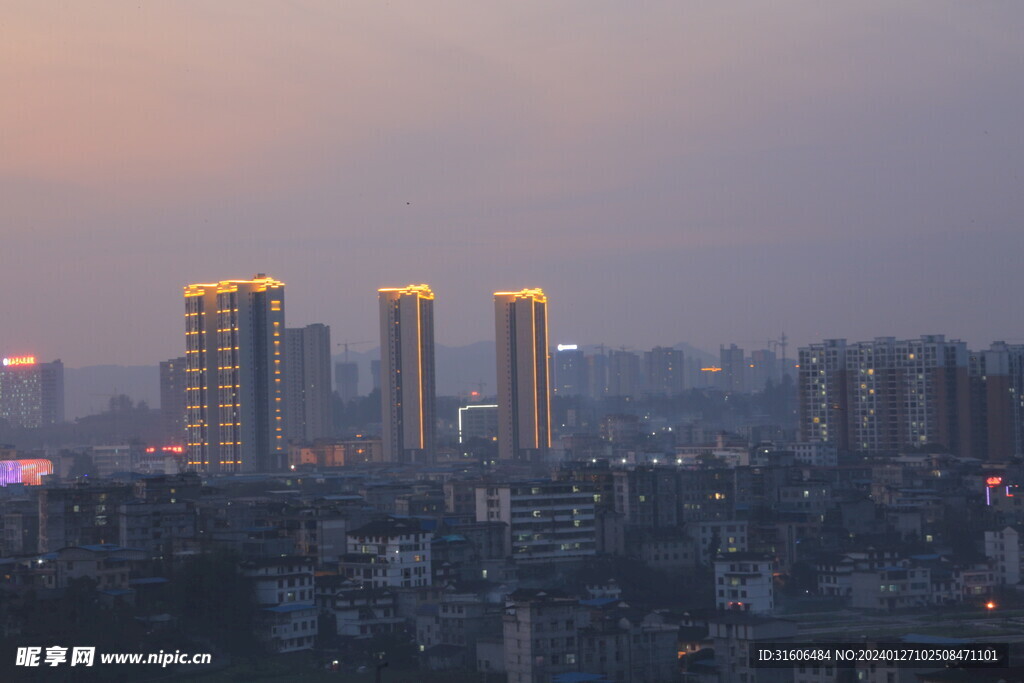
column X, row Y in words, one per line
column 698, row 171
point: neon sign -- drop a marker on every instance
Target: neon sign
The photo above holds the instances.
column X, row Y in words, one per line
column 994, row 481
column 19, row 360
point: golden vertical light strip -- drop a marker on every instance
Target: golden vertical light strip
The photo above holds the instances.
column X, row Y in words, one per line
column 533, row 355
column 547, row 378
column 419, row 363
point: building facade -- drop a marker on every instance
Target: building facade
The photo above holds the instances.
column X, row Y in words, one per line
column 886, row 395
column 234, row 375
column 546, row 521
column 307, row 399
column 31, row 393
column 407, row 373
column 172, row 400
column 524, row 403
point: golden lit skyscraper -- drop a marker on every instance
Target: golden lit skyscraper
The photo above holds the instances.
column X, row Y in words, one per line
column 407, row 373
column 524, row 410
column 234, row 365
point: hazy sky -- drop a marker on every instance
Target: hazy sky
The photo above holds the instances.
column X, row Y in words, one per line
column 703, row 171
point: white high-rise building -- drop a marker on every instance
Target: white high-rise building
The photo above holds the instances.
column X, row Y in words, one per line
column 307, row 401
column 524, row 410
column 234, row 375
column 407, row 373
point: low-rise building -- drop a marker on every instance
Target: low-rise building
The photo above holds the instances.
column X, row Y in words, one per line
column 744, row 582
column 283, row 586
column 388, row 553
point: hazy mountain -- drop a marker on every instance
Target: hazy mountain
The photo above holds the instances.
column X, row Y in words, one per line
column 87, row 390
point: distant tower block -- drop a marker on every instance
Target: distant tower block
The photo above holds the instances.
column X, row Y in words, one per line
column 524, row 410
column 407, row 373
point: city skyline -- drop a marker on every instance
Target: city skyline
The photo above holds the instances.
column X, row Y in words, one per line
column 847, row 170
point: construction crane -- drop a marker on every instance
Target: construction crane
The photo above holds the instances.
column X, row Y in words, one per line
column 347, row 344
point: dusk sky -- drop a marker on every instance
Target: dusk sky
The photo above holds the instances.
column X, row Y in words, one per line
column 709, row 172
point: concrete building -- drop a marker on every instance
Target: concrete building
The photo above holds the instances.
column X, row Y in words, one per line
column 172, row 401
column 886, row 396
column 733, row 376
column 358, row 612
column 157, row 528
column 388, row 554
column 234, row 358
column 814, row 453
column 570, row 371
column 407, row 373
column 541, row 631
column 663, row 371
column 744, row 582
column 624, row 376
column 79, row 515
column 524, row 409
column 897, row 586
column 1003, row 550
column 997, row 402
column 287, row 616
column 478, row 422
column 31, row 393
column 307, row 396
column 647, row 497
column 546, row 521
column 735, row 634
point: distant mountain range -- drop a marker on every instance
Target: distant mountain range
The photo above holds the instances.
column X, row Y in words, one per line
column 460, row 370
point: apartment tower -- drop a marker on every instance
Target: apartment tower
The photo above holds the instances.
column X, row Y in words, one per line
column 524, row 411
column 407, row 373
column 234, row 375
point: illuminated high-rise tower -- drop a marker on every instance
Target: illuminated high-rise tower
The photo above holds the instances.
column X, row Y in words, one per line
column 407, row 373
column 234, row 375
column 524, row 411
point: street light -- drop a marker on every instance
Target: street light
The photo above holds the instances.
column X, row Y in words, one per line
column 990, row 605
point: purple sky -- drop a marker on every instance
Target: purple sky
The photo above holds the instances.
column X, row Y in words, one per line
column 700, row 171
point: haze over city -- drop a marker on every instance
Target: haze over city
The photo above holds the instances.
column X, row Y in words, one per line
column 710, row 172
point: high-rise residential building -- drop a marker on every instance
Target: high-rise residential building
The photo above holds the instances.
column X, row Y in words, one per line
column 570, row 371
column 886, row 395
column 624, row 376
column 663, row 371
column 407, row 373
column 734, row 366
column 31, row 393
column 307, row 375
column 597, row 374
column 346, row 380
column 524, row 403
column 234, row 375
column 172, row 400
column 822, row 389
column 997, row 401
column 52, row 378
